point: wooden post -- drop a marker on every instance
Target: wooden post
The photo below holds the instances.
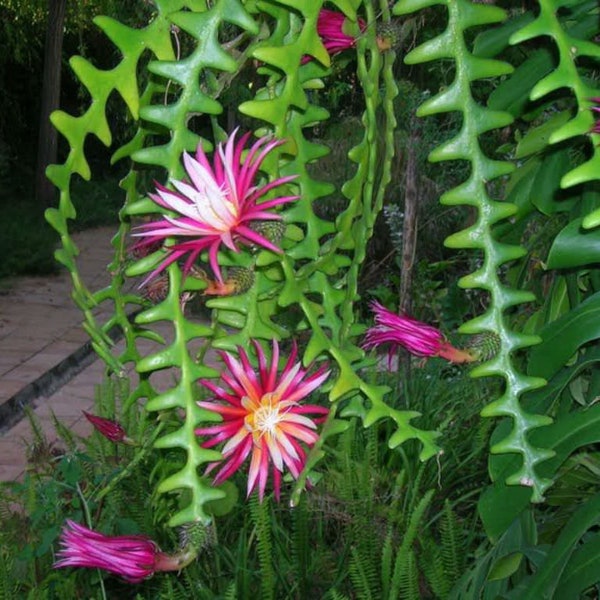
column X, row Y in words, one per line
column 50, row 101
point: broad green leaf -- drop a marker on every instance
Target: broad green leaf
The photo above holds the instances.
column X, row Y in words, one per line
column 492, row 41
column 544, row 582
column 582, row 571
column 562, row 338
column 505, row 566
column 547, row 196
column 537, row 138
column 512, row 95
column 574, row 247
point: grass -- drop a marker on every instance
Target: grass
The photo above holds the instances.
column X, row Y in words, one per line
column 371, row 507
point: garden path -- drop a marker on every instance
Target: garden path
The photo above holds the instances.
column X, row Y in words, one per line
column 46, row 361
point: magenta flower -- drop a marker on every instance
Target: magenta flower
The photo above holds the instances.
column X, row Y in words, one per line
column 330, row 27
column 133, row 557
column 262, row 417
column 418, row 338
column 111, row 430
column 216, row 207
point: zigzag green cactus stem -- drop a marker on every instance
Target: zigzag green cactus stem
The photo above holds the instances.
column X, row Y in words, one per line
column 477, row 120
column 566, row 74
column 182, row 396
column 376, row 77
column 191, row 100
column 203, row 26
column 100, row 84
column 331, row 321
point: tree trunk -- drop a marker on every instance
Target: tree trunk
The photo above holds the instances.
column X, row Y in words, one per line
column 50, row 100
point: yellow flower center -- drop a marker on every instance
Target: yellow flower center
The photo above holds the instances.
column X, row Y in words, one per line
column 266, row 417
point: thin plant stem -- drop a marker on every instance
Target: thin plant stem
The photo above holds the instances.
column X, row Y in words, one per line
column 88, row 520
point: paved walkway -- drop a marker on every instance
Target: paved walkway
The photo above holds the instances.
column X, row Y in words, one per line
column 46, row 361
column 40, row 328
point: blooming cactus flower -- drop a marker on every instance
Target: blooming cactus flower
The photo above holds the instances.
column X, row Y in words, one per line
column 133, row 557
column 330, row 27
column 262, row 416
column 217, row 206
column 111, row 430
column 418, row 338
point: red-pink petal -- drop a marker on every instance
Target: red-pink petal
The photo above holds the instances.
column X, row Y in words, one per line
column 213, row 205
column 265, row 418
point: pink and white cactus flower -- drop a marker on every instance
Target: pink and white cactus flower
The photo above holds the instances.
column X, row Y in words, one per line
column 415, row 336
column 132, row 557
column 263, row 417
column 330, row 27
column 216, row 206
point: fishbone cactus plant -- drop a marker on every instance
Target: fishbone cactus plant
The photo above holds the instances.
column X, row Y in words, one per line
column 258, row 248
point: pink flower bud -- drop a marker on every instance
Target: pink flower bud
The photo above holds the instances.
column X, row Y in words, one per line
column 111, row 430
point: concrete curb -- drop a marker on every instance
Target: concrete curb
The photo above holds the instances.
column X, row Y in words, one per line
column 13, row 409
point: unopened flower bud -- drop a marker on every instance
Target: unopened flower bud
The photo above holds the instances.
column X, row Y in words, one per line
column 133, row 557
column 110, row 429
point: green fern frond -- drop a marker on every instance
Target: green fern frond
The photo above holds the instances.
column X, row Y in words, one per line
column 65, row 434
column 300, row 546
column 409, row 587
column 360, row 577
column 386, row 564
column 39, row 437
column 372, row 448
column 335, row 595
column 231, row 592
column 452, row 543
column 414, row 491
column 402, row 562
column 431, row 564
column 8, row 582
column 396, row 512
column 260, row 515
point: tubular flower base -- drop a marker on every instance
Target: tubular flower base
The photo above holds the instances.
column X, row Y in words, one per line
column 111, row 430
column 133, row 557
column 418, row 338
column 262, row 417
column 238, row 281
column 216, row 207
